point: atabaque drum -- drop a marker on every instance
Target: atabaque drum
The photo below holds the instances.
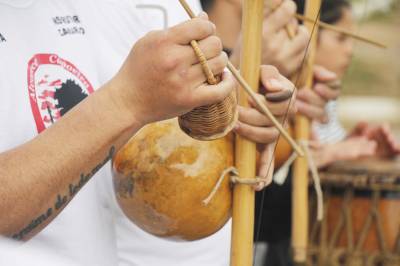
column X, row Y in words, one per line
column 361, row 224
column 162, row 177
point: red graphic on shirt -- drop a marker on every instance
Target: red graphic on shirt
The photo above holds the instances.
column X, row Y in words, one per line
column 55, row 86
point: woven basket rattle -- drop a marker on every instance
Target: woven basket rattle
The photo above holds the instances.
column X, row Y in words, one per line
column 213, row 121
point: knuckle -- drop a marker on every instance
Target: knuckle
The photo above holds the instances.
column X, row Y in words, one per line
column 248, row 131
column 221, row 95
column 170, row 62
column 220, row 64
column 304, row 34
column 215, row 44
column 268, row 135
column 289, row 8
column 274, row 70
column 274, row 133
column 293, row 6
column 204, row 27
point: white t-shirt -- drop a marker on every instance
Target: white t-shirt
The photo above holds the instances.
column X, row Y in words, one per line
column 13, row 254
column 53, row 53
column 332, row 131
column 61, row 45
column 135, row 246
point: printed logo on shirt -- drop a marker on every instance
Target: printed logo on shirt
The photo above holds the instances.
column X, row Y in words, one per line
column 68, row 25
column 2, row 38
column 55, row 86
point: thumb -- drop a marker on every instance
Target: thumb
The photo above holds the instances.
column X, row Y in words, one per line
column 203, row 15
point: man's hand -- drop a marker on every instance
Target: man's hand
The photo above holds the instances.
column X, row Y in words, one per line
column 162, row 77
column 311, row 103
column 255, row 126
column 278, row 48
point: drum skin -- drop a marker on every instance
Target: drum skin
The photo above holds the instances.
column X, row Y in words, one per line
column 161, row 176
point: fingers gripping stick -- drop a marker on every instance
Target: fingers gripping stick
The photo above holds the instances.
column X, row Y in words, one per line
column 212, row 121
column 253, row 95
column 211, row 79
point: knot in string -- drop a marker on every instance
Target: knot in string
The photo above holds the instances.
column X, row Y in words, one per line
column 235, row 179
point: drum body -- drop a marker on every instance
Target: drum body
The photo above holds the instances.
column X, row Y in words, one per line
column 161, row 177
column 361, row 224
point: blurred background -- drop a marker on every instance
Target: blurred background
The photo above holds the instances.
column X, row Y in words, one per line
column 372, row 85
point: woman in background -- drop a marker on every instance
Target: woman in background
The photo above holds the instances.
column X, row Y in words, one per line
column 334, row 52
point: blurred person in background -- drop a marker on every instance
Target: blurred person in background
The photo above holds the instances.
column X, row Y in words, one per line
column 330, row 140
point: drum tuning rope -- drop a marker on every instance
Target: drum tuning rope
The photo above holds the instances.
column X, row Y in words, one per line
column 316, row 179
column 280, row 179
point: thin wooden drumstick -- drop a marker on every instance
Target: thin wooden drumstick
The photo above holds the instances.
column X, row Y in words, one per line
column 340, row 30
column 252, row 94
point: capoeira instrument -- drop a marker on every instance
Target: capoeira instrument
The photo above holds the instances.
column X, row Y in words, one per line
column 302, row 134
column 361, row 225
column 162, row 178
column 173, row 186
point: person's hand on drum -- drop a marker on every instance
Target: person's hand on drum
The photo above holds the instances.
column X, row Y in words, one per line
column 348, row 149
column 312, row 103
column 162, row 77
column 276, row 93
column 387, row 145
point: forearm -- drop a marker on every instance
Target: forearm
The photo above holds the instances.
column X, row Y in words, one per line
column 40, row 177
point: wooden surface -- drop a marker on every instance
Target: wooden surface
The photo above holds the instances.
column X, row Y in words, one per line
column 351, row 209
column 364, row 173
column 300, row 170
column 161, row 176
column 367, row 166
column 245, row 159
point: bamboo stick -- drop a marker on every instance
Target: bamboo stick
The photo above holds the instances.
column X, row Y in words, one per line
column 340, row 30
column 248, row 89
column 302, row 133
column 245, row 150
